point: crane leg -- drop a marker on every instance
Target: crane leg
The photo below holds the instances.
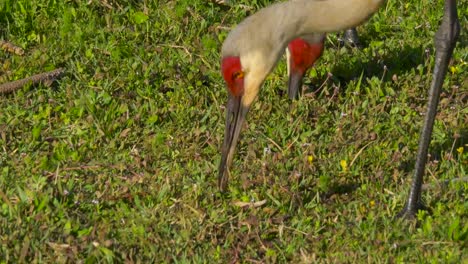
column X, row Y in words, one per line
column 445, row 40
column 350, row 37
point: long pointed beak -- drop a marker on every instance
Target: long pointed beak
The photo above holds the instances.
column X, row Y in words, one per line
column 294, row 84
column 235, row 117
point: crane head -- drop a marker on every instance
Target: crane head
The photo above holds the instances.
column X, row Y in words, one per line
column 302, row 54
column 233, row 75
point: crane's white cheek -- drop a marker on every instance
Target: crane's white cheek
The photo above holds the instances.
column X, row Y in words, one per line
column 251, row 89
column 248, row 97
column 256, row 67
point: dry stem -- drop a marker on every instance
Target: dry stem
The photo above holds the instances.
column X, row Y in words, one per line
column 35, row 79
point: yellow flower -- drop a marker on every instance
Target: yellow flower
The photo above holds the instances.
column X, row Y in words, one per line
column 310, row 159
column 460, row 150
column 453, row 69
column 344, row 165
column 372, row 203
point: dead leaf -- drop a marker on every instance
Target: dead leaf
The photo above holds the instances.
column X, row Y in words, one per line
column 247, row 204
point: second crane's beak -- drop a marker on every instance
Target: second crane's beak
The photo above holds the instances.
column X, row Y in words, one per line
column 235, row 117
column 295, row 84
column 295, row 75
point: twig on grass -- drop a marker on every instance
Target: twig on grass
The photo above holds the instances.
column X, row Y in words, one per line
column 45, row 77
column 359, row 153
column 10, row 47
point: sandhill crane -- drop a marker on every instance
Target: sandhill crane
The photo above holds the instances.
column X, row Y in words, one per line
column 252, row 49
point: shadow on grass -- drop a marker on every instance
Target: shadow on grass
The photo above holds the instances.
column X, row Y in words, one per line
column 340, row 189
column 308, row 193
column 397, row 62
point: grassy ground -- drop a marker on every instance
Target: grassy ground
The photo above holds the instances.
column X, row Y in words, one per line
column 117, row 161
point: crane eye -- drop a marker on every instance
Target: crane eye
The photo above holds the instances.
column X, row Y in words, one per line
column 238, row 75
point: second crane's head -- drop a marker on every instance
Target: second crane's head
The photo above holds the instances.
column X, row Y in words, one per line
column 301, row 56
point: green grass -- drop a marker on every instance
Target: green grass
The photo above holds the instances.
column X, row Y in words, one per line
column 118, row 160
